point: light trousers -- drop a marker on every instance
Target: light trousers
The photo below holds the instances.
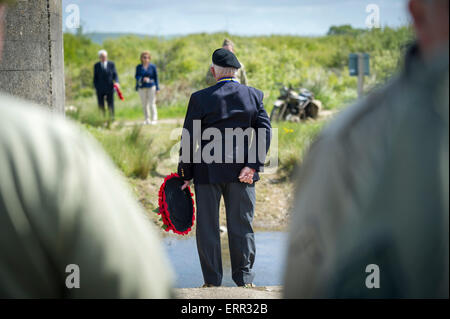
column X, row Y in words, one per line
column 148, row 99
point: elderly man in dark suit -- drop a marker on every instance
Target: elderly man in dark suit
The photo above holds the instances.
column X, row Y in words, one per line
column 105, row 75
column 233, row 125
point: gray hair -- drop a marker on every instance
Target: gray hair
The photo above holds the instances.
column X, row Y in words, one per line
column 101, row 52
column 221, row 71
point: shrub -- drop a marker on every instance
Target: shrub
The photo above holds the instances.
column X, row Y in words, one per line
column 183, row 61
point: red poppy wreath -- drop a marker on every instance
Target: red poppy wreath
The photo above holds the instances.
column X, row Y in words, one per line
column 176, row 206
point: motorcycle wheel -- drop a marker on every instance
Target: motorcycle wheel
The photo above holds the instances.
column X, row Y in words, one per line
column 274, row 114
column 312, row 110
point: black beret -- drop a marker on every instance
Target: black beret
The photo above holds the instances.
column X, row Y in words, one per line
column 224, row 58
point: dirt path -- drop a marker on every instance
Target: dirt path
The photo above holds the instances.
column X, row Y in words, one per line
column 324, row 114
column 178, row 121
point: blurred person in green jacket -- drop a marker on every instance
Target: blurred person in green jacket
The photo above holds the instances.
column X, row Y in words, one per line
column 371, row 216
column 69, row 225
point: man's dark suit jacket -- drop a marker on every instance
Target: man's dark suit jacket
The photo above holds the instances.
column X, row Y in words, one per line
column 224, row 105
column 104, row 79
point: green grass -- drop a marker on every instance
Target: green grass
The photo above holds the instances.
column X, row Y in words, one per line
column 131, row 110
column 136, row 113
column 138, row 150
column 130, row 150
column 135, row 150
column 294, row 140
column 317, row 63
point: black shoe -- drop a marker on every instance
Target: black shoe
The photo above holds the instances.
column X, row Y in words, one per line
column 208, row 286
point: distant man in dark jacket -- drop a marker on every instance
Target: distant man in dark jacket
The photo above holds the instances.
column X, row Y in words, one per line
column 226, row 163
column 105, row 75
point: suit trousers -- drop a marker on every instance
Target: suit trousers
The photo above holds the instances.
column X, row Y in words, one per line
column 148, row 99
column 239, row 205
column 109, row 99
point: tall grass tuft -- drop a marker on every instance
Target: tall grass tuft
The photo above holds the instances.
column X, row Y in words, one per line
column 88, row 115
column 294, row 140
column 142, row 159
column 130, row 149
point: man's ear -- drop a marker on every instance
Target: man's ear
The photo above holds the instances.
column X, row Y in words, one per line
column 417, row 11
column 419, row 15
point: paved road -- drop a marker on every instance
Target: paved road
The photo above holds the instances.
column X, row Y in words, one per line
column 271, row 292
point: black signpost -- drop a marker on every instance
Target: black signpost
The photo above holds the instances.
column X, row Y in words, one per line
column 359, row 65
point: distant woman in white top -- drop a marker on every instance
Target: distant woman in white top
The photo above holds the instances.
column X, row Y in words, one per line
column 147, row 86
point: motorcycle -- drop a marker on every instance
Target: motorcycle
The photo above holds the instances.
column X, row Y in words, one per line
column 293, row 106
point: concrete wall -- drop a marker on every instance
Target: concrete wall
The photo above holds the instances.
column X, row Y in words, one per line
column 32, row 66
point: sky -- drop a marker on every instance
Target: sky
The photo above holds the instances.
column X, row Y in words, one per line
column 239, row 17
